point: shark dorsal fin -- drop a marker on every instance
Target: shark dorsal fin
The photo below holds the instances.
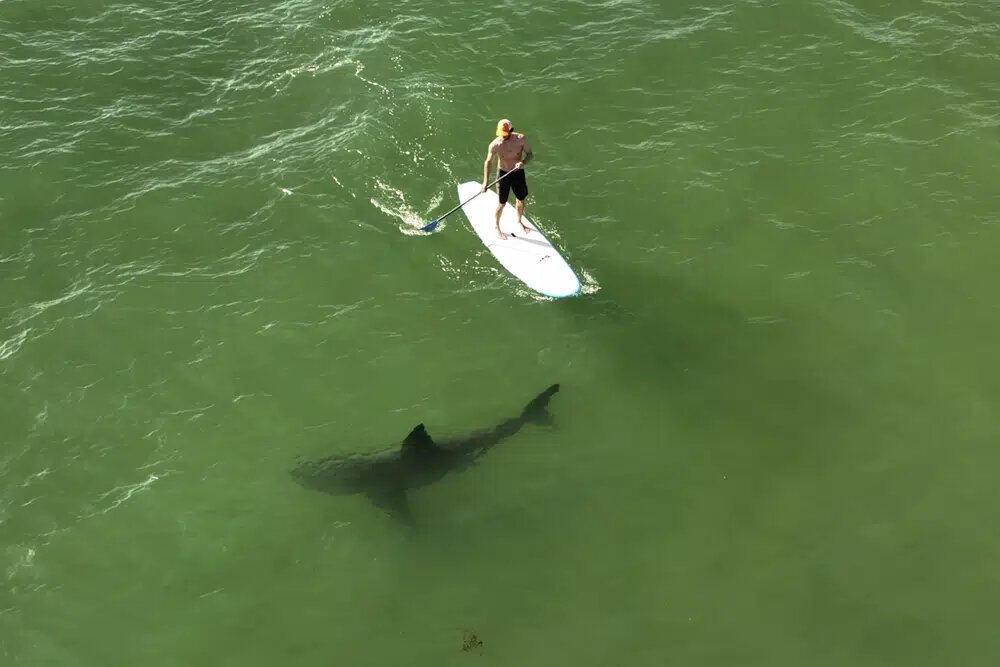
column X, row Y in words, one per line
column 418, row 439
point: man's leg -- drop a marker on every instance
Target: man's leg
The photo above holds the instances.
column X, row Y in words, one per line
column 499, row 213
column 519, row 185
column 503, row 191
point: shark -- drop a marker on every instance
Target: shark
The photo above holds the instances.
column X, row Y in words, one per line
column 387, row 476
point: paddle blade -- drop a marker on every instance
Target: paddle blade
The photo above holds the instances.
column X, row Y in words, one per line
column 429, row 227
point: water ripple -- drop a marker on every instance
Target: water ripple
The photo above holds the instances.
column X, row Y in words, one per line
column 171, row 167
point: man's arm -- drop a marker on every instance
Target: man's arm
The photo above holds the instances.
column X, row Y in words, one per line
column 526, row 151
column 490, row 156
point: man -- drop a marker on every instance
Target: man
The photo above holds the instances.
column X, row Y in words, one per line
column 513, row 152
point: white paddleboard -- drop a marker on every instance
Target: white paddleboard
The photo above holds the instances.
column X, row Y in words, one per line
column 528, row 256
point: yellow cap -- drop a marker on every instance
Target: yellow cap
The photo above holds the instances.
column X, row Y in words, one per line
column 504, row 127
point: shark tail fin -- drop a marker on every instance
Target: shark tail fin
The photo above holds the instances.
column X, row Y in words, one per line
column 536, row 411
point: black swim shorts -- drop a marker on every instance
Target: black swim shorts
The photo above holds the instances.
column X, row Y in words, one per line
column 516, row 182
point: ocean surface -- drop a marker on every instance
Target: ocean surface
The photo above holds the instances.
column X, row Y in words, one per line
column 776, row 439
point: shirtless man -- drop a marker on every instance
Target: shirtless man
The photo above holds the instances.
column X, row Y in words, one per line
column 513, row 151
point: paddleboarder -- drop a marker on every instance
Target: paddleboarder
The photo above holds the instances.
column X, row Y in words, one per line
column 512, row 151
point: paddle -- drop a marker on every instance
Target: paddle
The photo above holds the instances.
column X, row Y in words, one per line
column 429, row 227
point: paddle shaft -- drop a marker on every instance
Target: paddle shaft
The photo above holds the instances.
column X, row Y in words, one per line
column 475, row 195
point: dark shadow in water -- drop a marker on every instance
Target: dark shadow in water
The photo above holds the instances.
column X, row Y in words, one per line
column 652, row 321
column 705, row 361
column 386, row 477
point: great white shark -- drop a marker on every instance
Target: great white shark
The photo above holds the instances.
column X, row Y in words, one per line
column 387, row 476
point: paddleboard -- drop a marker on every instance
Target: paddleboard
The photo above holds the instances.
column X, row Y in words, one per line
column 528, row 256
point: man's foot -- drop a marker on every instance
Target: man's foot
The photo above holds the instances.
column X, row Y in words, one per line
column 526, row 229
column 503, row 237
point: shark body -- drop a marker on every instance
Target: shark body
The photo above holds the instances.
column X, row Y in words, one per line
column 386, row 477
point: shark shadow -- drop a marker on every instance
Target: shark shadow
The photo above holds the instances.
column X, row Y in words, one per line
column 386, row 477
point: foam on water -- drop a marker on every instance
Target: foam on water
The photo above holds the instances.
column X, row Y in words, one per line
column 392, row 202
column 590, row 284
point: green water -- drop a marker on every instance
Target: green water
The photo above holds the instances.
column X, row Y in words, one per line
column 775, row 442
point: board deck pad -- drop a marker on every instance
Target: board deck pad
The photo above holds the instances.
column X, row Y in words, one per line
column 530, row 257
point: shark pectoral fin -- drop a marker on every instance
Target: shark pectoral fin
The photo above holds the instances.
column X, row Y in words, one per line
column 394, row 502
column 418, row 439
